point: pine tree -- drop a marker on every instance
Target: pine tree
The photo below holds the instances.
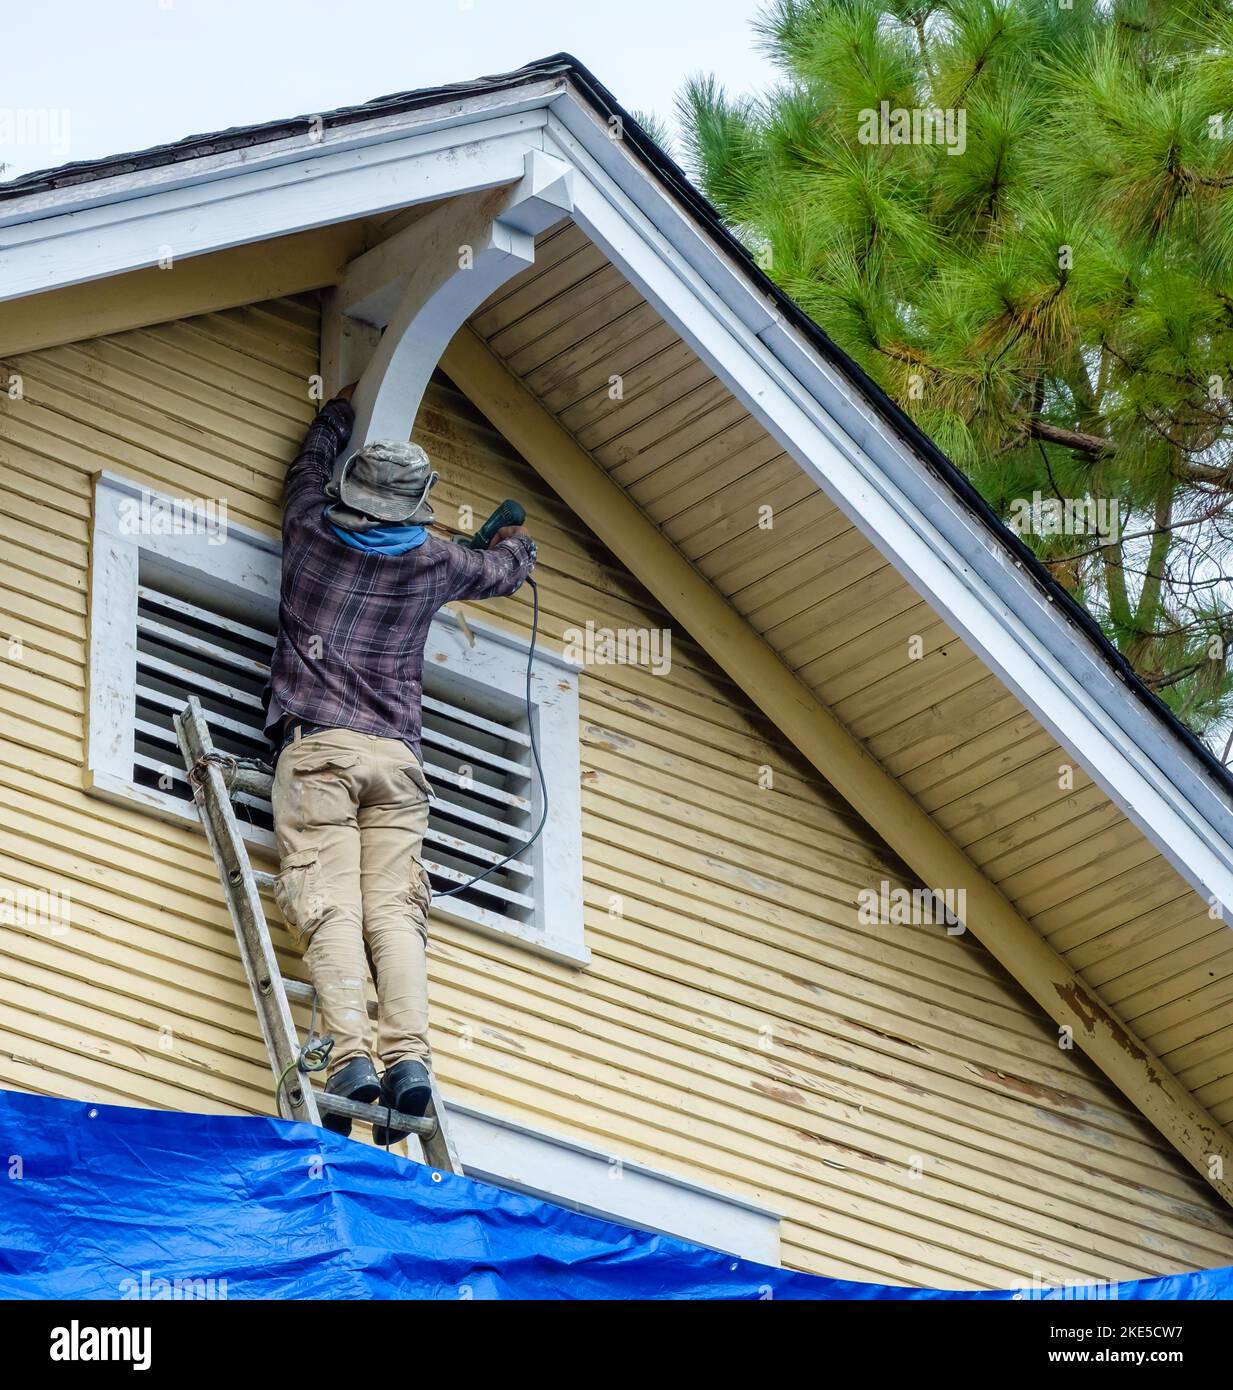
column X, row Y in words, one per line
column 1038, row 268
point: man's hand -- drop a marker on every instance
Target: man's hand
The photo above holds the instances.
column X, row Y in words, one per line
column 347, row 392
column 506, row 532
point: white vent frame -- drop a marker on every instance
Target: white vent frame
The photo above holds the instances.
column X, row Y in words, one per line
column 479, row 657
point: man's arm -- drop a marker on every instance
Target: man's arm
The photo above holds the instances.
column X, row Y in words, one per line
column 495, row 572
column 326, row 438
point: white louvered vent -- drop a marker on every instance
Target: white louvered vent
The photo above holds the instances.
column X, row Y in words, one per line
column 192, row 612
column 479, row 765
column 189, row 646
column 476, row 748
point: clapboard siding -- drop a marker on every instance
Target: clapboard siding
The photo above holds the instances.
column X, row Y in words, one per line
column 738, row 1024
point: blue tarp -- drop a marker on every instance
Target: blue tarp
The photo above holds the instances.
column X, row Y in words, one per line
column 102, row 1201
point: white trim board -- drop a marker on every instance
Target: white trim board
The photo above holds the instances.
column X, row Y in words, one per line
column 325, row 185
column 511, row 1155
column 203, row 168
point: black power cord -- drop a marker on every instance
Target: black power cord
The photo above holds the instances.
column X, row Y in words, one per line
column 539, row 767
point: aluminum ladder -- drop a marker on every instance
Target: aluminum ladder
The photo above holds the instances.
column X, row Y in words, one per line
column 214, row 778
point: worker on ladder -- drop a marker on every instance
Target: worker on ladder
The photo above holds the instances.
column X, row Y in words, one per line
column 361, row 581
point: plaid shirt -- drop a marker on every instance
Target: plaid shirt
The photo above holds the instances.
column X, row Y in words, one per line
column 352, row 624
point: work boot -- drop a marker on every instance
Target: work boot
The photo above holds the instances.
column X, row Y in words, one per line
column 356, row 1080
column 405, row 1087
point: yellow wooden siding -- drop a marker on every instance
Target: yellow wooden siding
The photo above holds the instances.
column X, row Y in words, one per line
column 842, row 617
column 738, row 1024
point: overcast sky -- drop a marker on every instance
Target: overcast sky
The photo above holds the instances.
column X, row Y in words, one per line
column 109, row 76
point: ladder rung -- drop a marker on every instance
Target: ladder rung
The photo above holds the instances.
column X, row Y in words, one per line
column 421, row 1126
column 161, row 769
column 338, row 1105
column 252, row 778
column 304, row 993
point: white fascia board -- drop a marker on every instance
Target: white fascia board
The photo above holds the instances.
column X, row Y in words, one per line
column 495, row 1149
column 263, row 154
column 914, row 520
column 242, row 204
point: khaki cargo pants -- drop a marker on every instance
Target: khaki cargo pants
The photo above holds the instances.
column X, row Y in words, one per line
column 350, row 811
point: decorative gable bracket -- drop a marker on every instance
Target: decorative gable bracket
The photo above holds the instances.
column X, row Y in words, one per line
column 397, row 306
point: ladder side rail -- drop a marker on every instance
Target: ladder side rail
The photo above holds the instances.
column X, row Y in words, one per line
column 438, row 1147
column 244, row 904
column 241, row 885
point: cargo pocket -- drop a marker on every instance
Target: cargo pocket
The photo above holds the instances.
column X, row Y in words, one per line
column 419, row 898
column 299, row 895
column 416, row 773
column 324, row 762
column 425, row 886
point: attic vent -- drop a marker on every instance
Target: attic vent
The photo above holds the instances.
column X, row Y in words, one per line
column 480, row 768
column 180, row 614
column 190, row 646
column 476, row 744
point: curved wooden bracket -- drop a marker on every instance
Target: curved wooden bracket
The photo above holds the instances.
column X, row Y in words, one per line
column 423, row 284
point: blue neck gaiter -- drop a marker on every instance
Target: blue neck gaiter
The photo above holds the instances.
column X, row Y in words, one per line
column 382, row 540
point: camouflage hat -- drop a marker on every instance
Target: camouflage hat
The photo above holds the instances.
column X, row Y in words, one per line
column 389, row 481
